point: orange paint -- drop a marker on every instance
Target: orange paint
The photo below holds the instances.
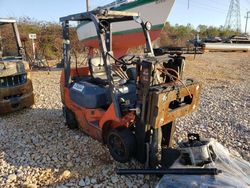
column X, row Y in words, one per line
column 121, row 43
column 81, row 71
column 85, row 116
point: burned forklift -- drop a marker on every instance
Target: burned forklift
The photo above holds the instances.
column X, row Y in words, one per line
column 129, row 103
column 16, row 90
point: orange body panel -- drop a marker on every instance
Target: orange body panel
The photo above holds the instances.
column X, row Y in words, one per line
column 110, row 116
column 81, row 71
column 92, row 121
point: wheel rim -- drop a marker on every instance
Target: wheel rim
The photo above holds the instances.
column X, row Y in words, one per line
column 117, row 145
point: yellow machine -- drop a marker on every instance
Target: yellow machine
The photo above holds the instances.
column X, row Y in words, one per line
column 16, row 90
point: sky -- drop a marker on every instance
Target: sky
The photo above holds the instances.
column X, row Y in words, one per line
column 207, row 12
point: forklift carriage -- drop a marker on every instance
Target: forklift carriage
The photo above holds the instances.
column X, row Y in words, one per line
column 129, row 103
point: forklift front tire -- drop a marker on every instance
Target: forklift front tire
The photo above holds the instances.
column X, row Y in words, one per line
column 121, row 144
column 71, row 121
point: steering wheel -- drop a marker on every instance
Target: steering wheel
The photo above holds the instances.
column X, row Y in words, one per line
column 125, row 60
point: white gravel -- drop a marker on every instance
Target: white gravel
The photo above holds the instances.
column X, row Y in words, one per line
column 38, row 150
column 224, row 111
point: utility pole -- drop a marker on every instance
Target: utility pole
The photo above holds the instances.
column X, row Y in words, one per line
column 87, row 5
column 246, row 21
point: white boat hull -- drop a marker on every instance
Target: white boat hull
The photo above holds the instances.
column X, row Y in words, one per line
column 129, row 34
column 156, row 12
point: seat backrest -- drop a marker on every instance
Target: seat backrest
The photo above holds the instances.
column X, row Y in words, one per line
column 97, row 67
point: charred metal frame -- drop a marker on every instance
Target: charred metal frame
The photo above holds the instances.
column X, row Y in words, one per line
column 104, row 36
column 149, row 127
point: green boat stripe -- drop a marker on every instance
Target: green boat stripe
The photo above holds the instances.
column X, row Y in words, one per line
column 124, row 7
column 132, row 5
column 137, row 30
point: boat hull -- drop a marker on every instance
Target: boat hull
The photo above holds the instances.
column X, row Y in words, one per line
column 121, row 43
column 129, row 34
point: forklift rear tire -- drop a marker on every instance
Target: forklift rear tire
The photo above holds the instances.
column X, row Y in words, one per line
column 121, row 144
column 71, row 121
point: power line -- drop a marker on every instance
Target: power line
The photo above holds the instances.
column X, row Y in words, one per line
column 222, row 3
column 214, row 5
column 210, row 9
column 207, row 6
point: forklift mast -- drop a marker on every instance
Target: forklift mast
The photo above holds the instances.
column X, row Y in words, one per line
column 156, row 90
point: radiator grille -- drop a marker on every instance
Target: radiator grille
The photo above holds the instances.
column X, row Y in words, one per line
column 10, row 81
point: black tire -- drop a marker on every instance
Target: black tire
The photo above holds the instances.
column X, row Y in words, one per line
column 121, row 144
column 71, row 121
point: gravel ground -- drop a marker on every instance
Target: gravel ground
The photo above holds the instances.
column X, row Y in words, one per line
column 38, row 150
column 224, row 111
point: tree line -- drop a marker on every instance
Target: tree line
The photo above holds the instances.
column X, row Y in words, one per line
column 178, row 35
column 49, row 37
column 48, row 42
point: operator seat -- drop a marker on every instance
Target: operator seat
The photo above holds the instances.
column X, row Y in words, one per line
column 92, row 93
column 97, row 68
column 125, row 93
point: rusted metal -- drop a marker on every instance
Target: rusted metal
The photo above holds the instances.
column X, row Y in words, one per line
column 143, row 116
column 101, row 14
column 161, row 112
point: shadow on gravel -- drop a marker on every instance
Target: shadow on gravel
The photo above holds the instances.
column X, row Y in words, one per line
column 38, row 140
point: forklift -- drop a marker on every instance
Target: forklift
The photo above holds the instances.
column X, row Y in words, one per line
column 128, row 103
